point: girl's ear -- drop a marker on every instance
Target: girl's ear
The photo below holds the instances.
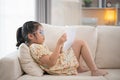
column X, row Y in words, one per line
column 30, row 36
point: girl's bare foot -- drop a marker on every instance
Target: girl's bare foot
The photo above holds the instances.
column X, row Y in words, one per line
column 83, row 69
column 99, row 72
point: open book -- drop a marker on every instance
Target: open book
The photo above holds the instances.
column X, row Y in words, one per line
column 70, row 32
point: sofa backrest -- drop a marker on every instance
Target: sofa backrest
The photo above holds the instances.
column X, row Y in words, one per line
column 108, row 47
column 103, row 42
column 87, row 33
column 52, row 34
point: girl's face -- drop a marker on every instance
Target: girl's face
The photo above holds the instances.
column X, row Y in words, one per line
column 38, row 36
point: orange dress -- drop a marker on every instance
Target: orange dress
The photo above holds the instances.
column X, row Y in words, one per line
column 66, row 64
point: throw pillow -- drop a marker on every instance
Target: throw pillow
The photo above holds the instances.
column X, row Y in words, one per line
column 29, row 66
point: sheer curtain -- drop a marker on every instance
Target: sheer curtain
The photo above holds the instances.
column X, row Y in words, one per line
column 13, row 13
column 43, row 11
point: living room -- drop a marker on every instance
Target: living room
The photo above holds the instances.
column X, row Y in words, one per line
column 97, row 22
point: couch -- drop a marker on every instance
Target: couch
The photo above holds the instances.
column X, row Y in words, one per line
column 104, row 43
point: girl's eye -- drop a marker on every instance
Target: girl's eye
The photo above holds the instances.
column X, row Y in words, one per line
column 41, row 32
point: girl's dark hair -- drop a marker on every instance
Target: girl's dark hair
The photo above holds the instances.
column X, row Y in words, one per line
column 22, row 32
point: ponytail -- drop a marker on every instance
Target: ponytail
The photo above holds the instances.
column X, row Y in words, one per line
column 19, row 37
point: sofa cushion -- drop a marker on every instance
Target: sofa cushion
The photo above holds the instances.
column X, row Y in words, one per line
column 81, row 76
column 114, row 74
column 52, row 34
column 108, row 49
column 86, row 33
column 28, row 64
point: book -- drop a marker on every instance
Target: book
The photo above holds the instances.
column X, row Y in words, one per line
column 70, row 33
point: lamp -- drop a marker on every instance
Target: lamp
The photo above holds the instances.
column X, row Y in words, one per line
column 110, row 16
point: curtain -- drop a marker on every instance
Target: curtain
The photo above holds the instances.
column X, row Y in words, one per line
column 43, row 11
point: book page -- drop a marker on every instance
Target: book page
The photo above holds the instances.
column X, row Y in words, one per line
column 70, row 32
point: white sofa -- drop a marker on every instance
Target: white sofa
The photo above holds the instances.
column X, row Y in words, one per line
column 104, row 42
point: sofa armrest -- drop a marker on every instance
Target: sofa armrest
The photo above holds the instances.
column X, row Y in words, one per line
column 10, row 68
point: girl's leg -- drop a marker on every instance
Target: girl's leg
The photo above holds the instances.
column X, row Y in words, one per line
column 81, row 48
column 77, row 50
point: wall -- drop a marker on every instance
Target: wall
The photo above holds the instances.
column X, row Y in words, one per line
column 66, row 12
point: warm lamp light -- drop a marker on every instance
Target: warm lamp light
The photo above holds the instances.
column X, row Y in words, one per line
column 110, row 16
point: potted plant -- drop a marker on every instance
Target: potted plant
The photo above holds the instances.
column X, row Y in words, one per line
column 87, row 3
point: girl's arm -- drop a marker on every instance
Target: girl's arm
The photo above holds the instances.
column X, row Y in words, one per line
column 51, row 60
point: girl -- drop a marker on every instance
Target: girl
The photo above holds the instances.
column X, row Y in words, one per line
column 56, row 62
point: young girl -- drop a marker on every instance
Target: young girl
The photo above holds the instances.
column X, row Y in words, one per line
column 56, row 62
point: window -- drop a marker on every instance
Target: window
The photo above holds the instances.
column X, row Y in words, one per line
column 13, row 13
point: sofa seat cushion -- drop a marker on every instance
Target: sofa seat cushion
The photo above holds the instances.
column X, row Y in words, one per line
column 80, row 76
column 114, row 74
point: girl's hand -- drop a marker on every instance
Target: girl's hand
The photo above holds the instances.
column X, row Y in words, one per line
column 62, row 39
